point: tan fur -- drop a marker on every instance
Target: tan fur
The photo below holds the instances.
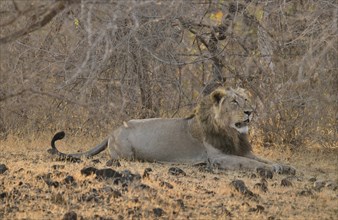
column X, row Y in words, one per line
column 216, row 132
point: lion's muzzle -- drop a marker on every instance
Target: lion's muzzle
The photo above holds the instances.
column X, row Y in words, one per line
column 242, row 124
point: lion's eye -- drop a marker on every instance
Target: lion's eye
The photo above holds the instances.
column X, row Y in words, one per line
column 234, row 101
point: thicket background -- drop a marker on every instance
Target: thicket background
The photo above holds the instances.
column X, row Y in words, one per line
column 85, row 66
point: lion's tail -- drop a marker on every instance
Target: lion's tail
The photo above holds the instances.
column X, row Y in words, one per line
column 75, row 157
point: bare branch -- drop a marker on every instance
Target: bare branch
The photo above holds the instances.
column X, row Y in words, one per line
column 54, row 10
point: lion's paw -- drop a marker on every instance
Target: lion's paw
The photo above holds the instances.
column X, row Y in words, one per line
column 264, row 172
column 283, row 169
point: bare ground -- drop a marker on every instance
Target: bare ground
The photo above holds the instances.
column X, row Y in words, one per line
column 36, row 186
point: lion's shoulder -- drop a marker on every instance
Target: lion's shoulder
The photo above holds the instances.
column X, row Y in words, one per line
column 195, row 129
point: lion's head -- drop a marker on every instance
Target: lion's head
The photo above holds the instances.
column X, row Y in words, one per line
column 224, row 116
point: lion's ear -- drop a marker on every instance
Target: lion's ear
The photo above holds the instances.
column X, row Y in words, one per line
column 217, row 95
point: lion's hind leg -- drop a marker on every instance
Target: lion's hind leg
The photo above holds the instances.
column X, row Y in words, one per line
column 120, row 148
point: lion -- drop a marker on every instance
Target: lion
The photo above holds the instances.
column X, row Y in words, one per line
column 216, row 133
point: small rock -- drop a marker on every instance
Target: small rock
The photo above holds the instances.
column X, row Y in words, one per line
column 239, row 185
column 15, row 192
column 312, row 179
column 58, row 198
column 110, row 191
column 166, row 184
column 70, row 216
column 258, row 209
column 205, row 167
column 135, row 212
column 116, row 194
column 158, row 212
column 146, row 188
column 262, row 186
column 305, row 192
column 285, row 182
column 264, row 181
column 264, row 173
column 3, row 168
column 227, row 212
column 117, row 181
column 3, row 195
column 57, row 173
column 331, row 185
column 19, row 170
column 49, row 182
column 143, row 186
column 114, row 163
column 176, row 171
column 318, row 185
column 90, row 196
column 320, row 170
column 106, row 189
column 95, row 161
column 180, row 203
column 253, row 176
column 107, row 173
column 44, row 176
column 135, row 200
column 128, row 176
column 102, row 217
column 58, row 166
column 88, row 171
column 146, row 172
column 210, row 192
column 69, row 180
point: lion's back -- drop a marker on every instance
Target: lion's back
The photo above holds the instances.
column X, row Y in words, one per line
column 162, row 140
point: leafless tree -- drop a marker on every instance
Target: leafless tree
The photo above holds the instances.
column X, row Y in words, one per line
column 85, row 64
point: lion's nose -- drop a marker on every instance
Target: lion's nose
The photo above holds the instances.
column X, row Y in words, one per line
column 248, row 112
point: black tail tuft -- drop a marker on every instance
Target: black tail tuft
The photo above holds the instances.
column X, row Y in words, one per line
column 54, row 151
column 58, row 136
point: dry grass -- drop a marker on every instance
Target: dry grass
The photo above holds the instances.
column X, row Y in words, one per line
column 198, row 195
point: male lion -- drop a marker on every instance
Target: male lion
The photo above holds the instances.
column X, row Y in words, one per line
column 216, row 133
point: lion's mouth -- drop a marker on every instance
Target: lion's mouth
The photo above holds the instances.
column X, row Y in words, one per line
column 242, row 123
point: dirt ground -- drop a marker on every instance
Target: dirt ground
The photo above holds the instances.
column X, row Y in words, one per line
column 37, row 186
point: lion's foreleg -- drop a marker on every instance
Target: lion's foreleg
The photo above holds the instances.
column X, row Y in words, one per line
column 276, row 167
column 254, row 157
column 232, row 162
